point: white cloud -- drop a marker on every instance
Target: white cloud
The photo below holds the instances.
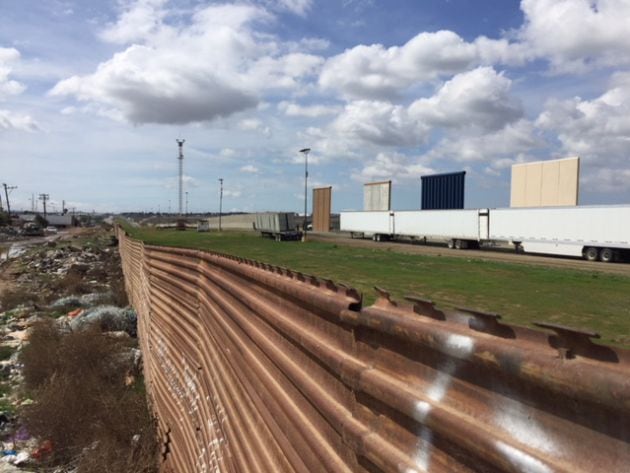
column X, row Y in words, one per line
column 254, row 124
column 212, row 65
column 298, row 7
column 575, row 35
column 393, row 166
column 285, row 72
column 500, row 148
column 479, row 98
column 16, row 121
column 598, row 130
column 173, row 182
column 380, row 123
column 8, row 87
column 312, row 111
column 138, row 19
column 250, row 169
column 232, row 193
column 378, row 72
column 227, row 153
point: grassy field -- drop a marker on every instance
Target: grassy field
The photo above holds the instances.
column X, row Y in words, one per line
column 519, row 292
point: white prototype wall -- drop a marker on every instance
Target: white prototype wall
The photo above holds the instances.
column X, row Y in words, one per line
column 377, row 196
column 546, row 183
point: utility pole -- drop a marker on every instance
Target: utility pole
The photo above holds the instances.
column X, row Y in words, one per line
column 32, row 202
column 305, row 152
column 6, row 194
column 180, row 143
column 220, row 201
column 44, row 198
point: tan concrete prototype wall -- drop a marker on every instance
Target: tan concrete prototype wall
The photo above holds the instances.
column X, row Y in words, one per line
column 233, row 222
column 546, row 183
column 377, row 196
column 322, row 201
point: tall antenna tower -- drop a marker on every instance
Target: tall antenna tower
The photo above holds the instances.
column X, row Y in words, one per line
column 180, row 143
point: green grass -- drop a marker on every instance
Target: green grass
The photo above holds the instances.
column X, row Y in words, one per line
column 521, row 293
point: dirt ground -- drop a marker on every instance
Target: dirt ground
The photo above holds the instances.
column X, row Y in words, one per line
column 485, row 254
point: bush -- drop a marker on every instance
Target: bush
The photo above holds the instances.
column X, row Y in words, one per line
column 11, row 298
column 41, row 221
column 83, row 405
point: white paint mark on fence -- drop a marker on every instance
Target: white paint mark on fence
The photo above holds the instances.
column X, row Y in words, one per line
column 522, row 460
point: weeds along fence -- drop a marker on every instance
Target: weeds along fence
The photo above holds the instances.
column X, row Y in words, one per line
column 256, row 368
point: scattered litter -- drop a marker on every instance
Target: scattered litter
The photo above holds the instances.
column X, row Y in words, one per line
column 21, row 458
column 74, row 313
column 85, row 300
column 45, row 449
column 109, row 318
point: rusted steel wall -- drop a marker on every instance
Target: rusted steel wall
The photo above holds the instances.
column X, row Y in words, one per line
column 322, row 198
column 255, row 368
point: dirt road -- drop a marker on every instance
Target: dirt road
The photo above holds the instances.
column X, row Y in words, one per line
column 485, row 254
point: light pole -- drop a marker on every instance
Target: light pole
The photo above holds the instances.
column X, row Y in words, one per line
column 186, row 202
column 220, row 201
column 180, row 144
column 305, row 151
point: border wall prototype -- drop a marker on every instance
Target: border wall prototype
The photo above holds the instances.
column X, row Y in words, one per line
column 256, row 368
column 377, row 196
column 545, row 183
column 322, row 202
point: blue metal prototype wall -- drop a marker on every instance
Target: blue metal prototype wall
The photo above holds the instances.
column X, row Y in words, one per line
column 443, row 191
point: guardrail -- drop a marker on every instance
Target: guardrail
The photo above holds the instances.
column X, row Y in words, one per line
column 256, row 368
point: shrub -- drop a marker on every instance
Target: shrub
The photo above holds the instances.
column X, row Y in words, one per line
column 11, row 298
column 83, row 405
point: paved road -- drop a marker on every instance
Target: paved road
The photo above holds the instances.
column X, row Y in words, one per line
column 486, row 254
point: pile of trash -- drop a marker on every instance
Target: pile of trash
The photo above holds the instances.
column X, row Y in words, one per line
column 19, row 450
column 59, row 260
column 37, row 272
column 7, row 234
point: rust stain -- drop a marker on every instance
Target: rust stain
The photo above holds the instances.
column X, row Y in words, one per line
column 255, row 368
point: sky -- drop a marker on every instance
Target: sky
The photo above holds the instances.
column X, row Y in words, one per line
column 94, row 94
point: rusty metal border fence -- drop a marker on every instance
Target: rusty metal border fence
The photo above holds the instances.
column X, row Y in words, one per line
column 255, row 368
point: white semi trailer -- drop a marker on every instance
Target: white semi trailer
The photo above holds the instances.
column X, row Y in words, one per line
column 591, row 232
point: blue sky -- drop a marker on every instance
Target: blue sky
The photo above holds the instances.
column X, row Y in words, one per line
column 94, row 94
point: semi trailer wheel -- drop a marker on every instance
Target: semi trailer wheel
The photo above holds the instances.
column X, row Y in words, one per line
column 606, row 255
column 591, row 254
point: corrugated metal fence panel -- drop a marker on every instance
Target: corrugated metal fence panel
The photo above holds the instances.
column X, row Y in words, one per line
column 443, row 191
column 255, row 368
column 321, row 209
